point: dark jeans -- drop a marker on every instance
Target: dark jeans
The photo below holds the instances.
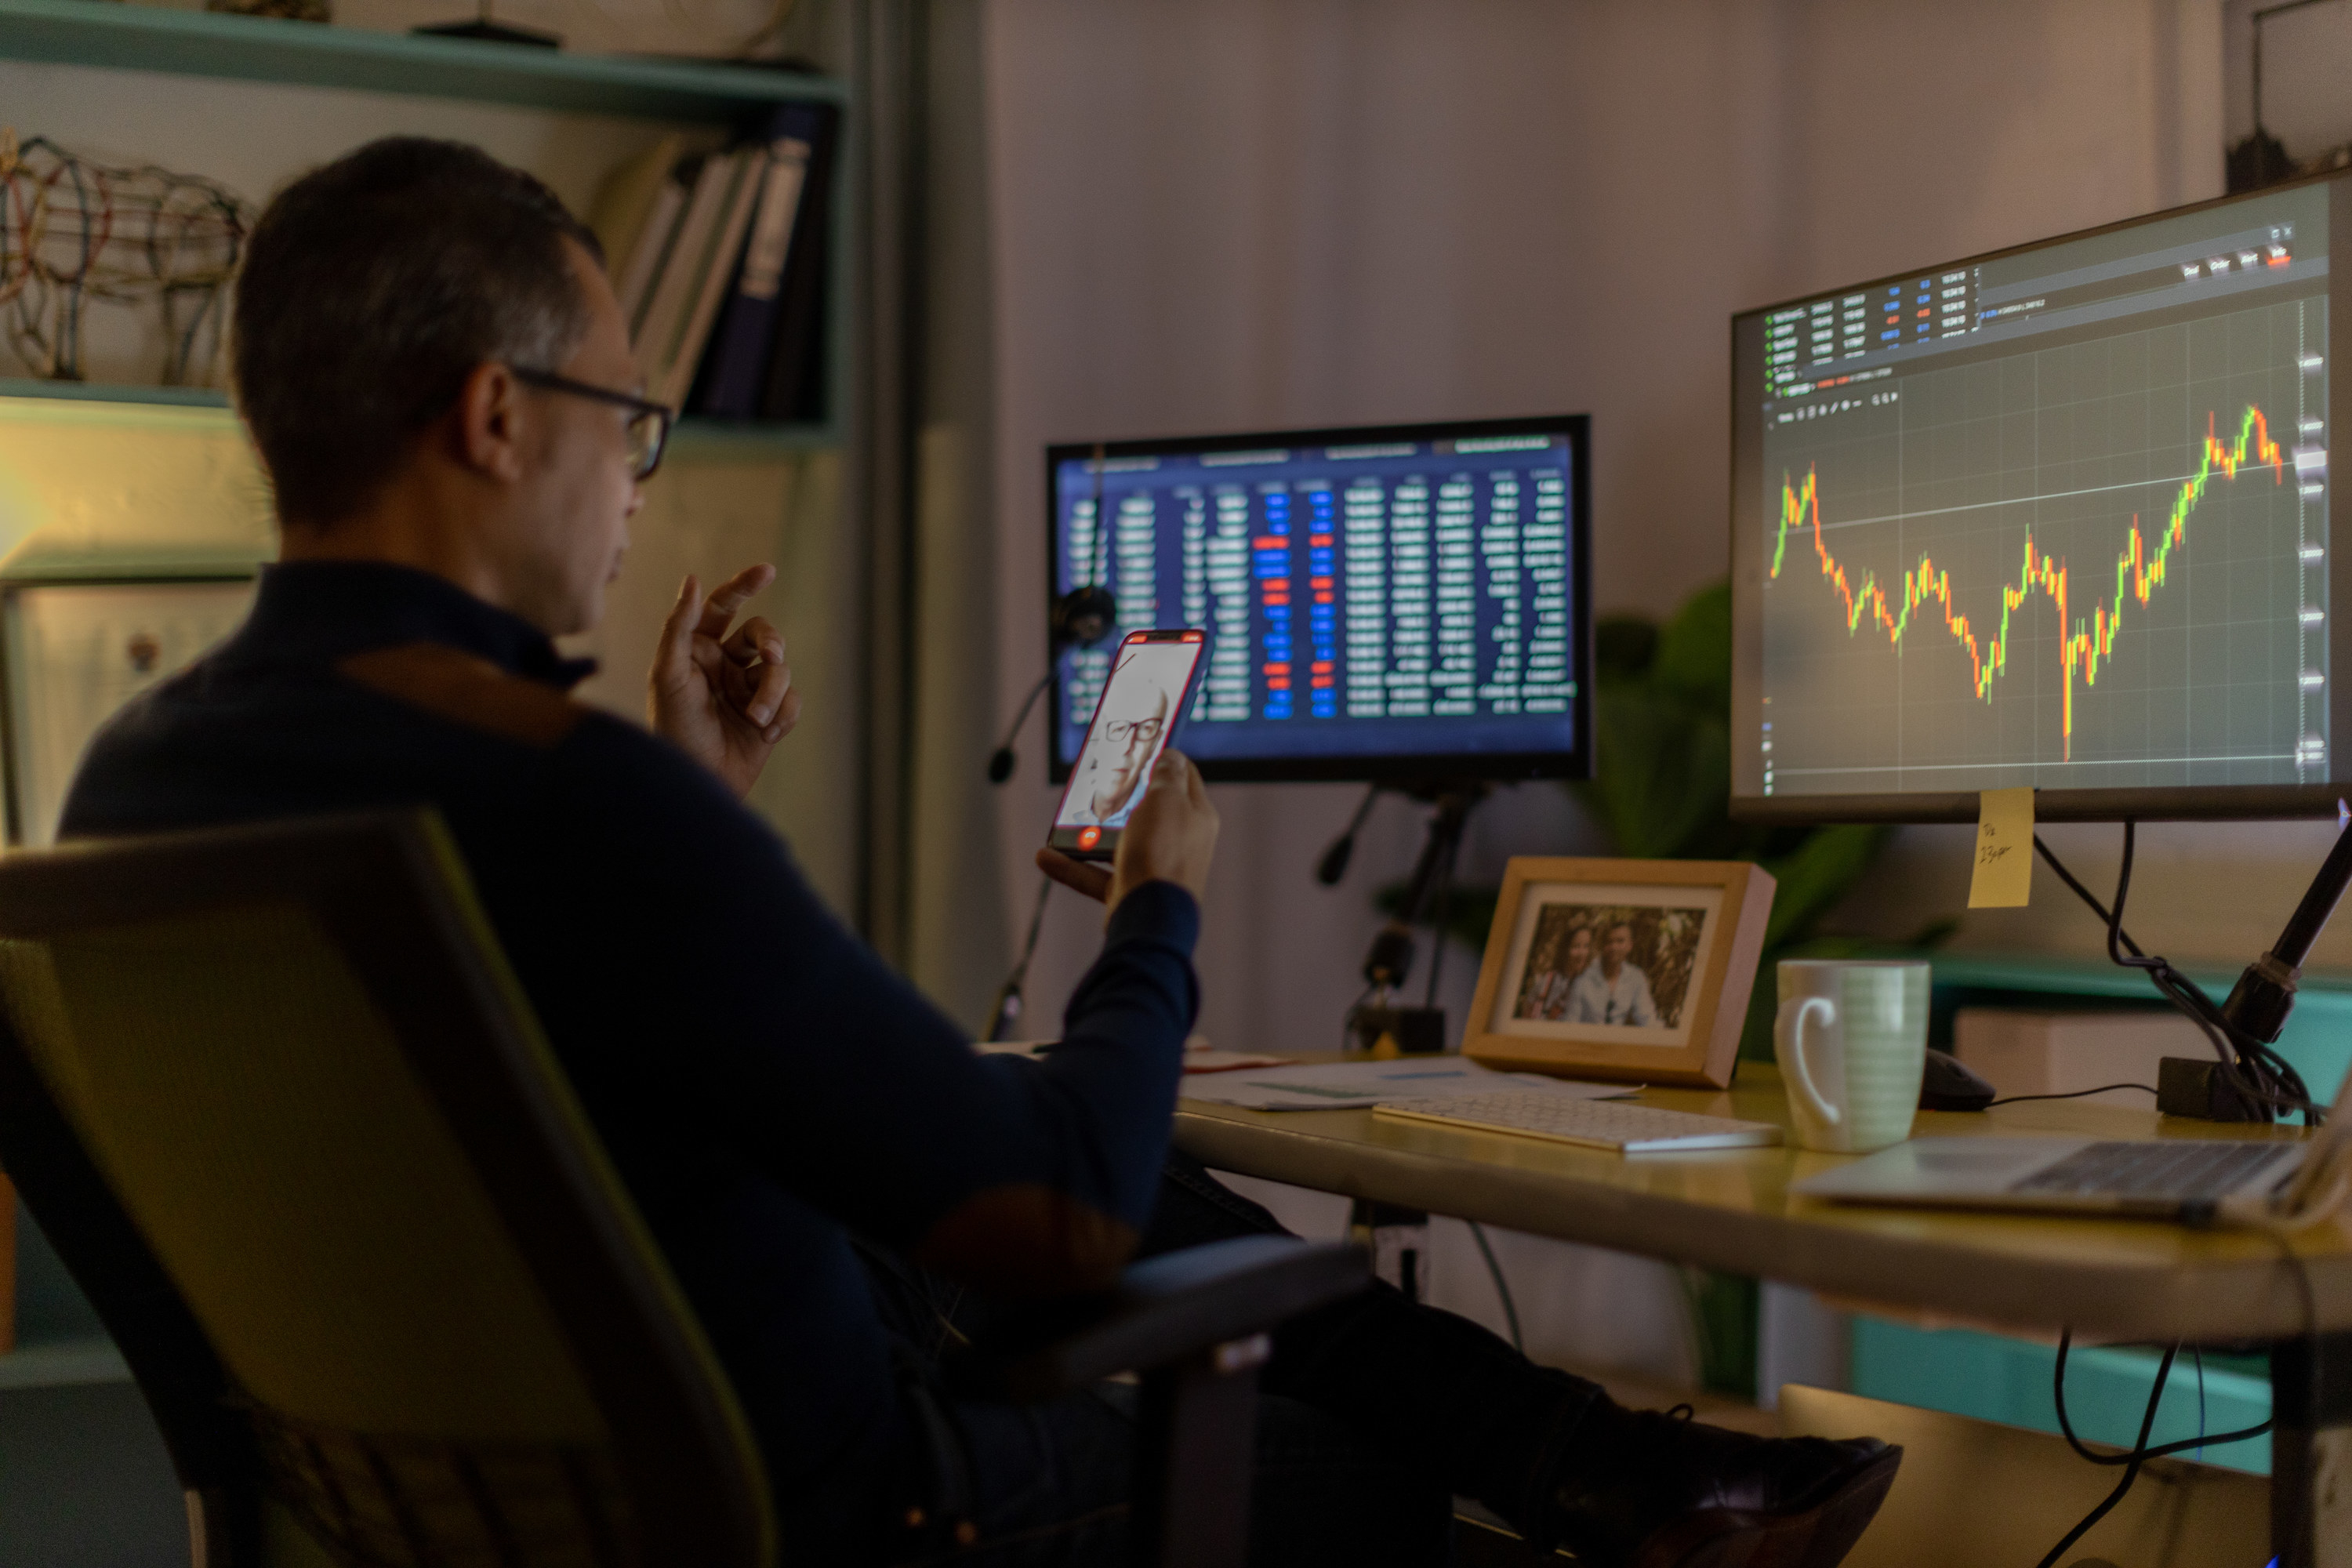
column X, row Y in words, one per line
column 1373, row 1414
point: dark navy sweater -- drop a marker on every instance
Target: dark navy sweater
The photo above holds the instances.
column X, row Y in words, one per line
column 766, row 1084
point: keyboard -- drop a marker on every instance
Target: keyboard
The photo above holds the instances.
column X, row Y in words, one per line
column 1591, row 1123
column 2182, row 1169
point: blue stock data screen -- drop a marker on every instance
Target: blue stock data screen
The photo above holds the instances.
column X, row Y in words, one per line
column 1404, row 602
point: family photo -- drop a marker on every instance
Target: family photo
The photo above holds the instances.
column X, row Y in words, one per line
column 1610, row 963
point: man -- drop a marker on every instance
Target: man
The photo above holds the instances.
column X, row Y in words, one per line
column 1613, row 991
column 436, row 371
column 1111, row 772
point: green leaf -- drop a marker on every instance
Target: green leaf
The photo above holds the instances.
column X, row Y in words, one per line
column 1664, row 773
column 1623, row 648
column 1815, row 876
column 1694, row 651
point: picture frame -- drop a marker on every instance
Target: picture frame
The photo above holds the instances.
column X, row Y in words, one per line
column 1636, row 970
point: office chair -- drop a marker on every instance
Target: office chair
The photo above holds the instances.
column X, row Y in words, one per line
column 286, row 1115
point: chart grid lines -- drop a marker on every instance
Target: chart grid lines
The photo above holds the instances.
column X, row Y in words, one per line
column 1999, row 492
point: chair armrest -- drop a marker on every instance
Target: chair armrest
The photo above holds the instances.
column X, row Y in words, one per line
column 1162, row 1309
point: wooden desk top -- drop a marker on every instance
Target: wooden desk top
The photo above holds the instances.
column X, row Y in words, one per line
column 1731, row 1209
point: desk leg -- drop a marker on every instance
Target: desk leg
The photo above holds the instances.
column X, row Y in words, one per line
column 2311, row 1452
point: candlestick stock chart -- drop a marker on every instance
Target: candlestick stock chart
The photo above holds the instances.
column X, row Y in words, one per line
column 2094, row 565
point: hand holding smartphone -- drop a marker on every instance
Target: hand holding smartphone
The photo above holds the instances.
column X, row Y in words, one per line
column 1150, row 687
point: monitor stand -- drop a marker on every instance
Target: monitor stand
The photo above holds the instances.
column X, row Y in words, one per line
column 1379, row 1019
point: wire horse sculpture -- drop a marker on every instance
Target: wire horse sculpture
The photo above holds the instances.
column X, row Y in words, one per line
column 73, row 231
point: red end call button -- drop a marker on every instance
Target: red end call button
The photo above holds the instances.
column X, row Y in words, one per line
column 1089, row 836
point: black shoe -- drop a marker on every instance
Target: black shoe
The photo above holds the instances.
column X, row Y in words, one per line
column 1674, row 1493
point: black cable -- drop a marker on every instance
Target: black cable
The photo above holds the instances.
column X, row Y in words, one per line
column 2252, row 1069
column 2132, row 1461
column 2143, row 1451
column 1002, row 762
column 2197, row 1356
column 1510, row 1312
column 1008, row 998
column 1437, row 932
column 2077, row 1094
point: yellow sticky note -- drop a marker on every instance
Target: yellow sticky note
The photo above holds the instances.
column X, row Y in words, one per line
column 2005, row 859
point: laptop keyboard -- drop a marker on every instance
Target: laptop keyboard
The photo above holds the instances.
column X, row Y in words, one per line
column 2175, row 1168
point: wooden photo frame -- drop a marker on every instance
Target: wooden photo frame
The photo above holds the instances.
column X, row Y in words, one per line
column 1688, row 936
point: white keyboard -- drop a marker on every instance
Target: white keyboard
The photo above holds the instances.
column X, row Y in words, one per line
column 1594, row 1123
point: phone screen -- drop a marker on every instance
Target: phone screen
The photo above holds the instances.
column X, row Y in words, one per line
column 1150, row 682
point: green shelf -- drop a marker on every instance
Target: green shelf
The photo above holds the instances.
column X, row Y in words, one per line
column 259, row 49
column 695, row 438
column 2317, row 1038
column 98, row 391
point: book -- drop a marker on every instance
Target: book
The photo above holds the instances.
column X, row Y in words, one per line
column 709, row 266
column 735, row 372
column 635, row 280
column 795, row 382
column 627, row 198
column 669, row 302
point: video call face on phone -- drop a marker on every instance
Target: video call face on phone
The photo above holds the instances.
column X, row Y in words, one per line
column 1141, row 704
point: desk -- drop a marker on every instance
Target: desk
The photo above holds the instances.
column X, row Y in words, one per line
column 1731, row 1209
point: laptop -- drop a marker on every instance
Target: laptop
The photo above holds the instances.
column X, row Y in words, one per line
column 2193, row 1180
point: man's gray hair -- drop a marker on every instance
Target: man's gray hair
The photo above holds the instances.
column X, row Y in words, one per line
column 371, row 288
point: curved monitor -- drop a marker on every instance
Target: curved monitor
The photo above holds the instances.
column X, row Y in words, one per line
column 2055, row 517
column 1401, row 603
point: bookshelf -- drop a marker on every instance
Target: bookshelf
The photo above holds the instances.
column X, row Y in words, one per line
column 102, row 34
column 258, row 49
column 694, row 436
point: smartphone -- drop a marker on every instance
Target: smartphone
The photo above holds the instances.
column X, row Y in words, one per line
column 1150, row 685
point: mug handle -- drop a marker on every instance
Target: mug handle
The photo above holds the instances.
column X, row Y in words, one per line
column 1822, row 1107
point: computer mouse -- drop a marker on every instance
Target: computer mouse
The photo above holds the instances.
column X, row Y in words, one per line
column 1950, row 1085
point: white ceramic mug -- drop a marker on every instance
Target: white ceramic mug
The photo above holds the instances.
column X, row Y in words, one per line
column 1852, row 1038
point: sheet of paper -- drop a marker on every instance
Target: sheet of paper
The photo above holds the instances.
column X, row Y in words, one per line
column 1345, row 1085
column 2003, row 878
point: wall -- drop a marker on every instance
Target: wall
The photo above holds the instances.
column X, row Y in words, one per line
column 1227, row 215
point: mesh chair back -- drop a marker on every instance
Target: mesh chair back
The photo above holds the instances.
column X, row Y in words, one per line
column 298, row 1059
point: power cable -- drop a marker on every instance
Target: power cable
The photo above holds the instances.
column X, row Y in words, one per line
column 1502, row 1287
column 2076, row 1094
column 2255, row 1072
column 2131, row 1462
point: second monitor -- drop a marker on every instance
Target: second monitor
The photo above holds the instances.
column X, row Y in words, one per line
column 1403, row 602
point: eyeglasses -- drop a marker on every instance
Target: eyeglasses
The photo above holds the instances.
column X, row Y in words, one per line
column 650, row 422
column 1141, row 729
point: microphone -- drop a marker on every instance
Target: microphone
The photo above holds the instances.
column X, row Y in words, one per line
column 1083, row 617
column 1334, row 864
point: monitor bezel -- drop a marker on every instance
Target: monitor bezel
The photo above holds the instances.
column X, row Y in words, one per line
column 2175, row 803
column 1398, row 769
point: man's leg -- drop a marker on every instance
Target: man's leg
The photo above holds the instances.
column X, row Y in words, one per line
column 1436, row 1390
column 1033, row 1486
column 1550, row 1453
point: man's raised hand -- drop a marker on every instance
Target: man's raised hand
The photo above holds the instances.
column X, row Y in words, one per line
column 1171, row 837
column 724, row 698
